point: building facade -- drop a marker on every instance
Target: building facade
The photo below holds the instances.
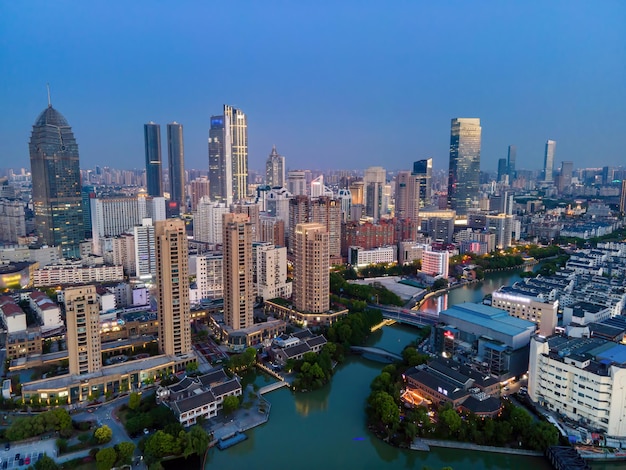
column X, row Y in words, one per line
column 311, row 260
column 176, row 160
column 83, row 330
column 275, row 170
column 154, row 169
column 548, row 161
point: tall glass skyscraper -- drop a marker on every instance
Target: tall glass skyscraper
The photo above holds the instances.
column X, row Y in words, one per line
column 548, row 161
column 176, row 159
column 55, row 170
column 228, row 156
column 275, row 169
column 464, row 172
column 510, row 162
column 154, row 173
column 423, row 169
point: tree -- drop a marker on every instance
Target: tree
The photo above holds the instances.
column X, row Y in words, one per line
column 384, row 410
column 192, row 367
column 46, row 463
column 198, row 440
column 125, row 452
column 231, row 403
column 105, row 458
column 103, row 434
column 134, row 401
column 449, row 421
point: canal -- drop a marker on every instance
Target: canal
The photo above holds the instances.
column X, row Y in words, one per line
column 326, row 428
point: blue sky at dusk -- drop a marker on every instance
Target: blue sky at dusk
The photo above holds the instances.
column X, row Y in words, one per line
column 332, row 84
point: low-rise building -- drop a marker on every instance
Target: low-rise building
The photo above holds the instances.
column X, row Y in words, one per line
column 197, row 397
column 360, row 257
column 55, row 275
column 12, row 315
column 295, row 346
column 526, row 306
column 24, row 343
column 48, row 312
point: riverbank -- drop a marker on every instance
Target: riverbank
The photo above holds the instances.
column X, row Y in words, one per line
column 420, row 444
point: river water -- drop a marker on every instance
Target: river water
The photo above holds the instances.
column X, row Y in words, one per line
column 326, row 428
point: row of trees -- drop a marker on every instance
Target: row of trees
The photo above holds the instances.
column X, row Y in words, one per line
column 514, row 427
column 169, row 442
column 353, row 329
column 315, row 370
column 383, row 269
column 57, row 419
column 109, row 457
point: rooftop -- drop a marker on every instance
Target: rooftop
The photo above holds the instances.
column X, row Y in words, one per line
column 489, row 317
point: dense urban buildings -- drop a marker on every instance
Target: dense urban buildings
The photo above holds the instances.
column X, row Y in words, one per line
column 464, row 171
column 56, row 192
column 173, row 287
column 176, row 160
column 154, row 170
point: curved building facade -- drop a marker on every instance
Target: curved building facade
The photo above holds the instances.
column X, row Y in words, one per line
column 55, row 170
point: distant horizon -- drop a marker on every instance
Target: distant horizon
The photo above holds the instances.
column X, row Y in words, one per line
column 354, row 86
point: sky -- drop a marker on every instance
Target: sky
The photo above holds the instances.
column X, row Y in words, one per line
column 334, row 85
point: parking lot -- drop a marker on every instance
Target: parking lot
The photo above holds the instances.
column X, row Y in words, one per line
column 24, row 460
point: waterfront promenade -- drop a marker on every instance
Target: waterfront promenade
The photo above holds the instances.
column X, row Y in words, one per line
column 425, row 445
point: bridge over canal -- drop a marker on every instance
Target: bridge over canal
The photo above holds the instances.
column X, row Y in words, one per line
column 376, row 352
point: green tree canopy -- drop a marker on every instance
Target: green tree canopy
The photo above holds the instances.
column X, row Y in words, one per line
column 231, row 403
column 105, row 458
column 103, row 434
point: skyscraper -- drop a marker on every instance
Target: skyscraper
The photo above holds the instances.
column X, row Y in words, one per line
column 502, row 169
column 172, row 287
column 565, row 177
column 176, row 159
column 55, row 170
column 548, row 161
column 622, row 197
column 510, row 162
column 275, row 169
column 299, row 213
column 83, row 330
column 423, row 170
column 464, row 171
column 228, row 156
column 238, row 286
column 154, row 172
column 311, row 281
column 374, row 180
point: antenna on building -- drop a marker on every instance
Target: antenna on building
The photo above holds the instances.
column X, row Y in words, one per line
column 49, row 103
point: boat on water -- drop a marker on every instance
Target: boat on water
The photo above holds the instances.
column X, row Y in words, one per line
column 226, row 442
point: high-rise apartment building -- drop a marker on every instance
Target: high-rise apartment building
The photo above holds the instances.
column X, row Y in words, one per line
column 299, row 213
column 57, row 200
column 238, row 286
column 622, row 197
column 327, row 211
column 154, row 171
column 199, row 188
column 296, row 183
column 173, row 287
column 207, row 221
column 407, row 195
column 565, row 177
column 111, row 217
column 82, row 313
column 269, row 268
column 311, row 279
column 145, row 250
column 464, row 171
column 209, row 270
column 176, row 160
column 275, row 170
column 548, row 161
column 12, row 220
column 253, row 213
column 423, row 172
column 228, row 156
column 502, row 226
column 272, row 229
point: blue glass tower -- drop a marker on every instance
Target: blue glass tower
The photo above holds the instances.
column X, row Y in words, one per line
column 154, row 173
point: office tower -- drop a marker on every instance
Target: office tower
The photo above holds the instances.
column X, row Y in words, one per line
column 407, row 195
column 155, row 207
column 464, row 171
column 317, row 187
column 311, row 280
column 548, row 161
column 345, row 196
column 608, row 174
column 238, row 287
column 296, row 183
column 57, row 199
column 357, row 189
column 622, row 197
column 199, row 188
column 423, row 171
column 145, row 250
column 374, row 181
column 502, row 170
column 228, row 156
column 87, row 193
column 277, row 205
column 327, row 211
column 511, row 157
column 207, row 221
column 275, row 170
column 299, row 213
column 154, row 172
column 565, row 177
column 176, row 160
column 172, row 287
column 82, row 314
column 269, row 271
column 252, row 211
column 113, row 216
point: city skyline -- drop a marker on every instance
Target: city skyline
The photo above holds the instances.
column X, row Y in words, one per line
column 537, row 83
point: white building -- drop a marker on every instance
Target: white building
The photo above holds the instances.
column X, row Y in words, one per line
column 47, row 311
column 114, row 216
column 582, row 313
column 76, row 274
column 296, row 182
column 360, row 257
column 269, row 271
column 209, row 275
column 12, row 315
column 207, row 221
column 145, row 254
column 502, row 226
column 44, row 255
column 120, row 251
column 581, row 378
column 12, row 220
column 435, row 263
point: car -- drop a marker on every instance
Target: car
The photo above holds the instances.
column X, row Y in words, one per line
column 506, row 389
column 17, row 456
column 27, row 461
column 39, row 456
column 145, row 431
column 21, row 462
column 7, row 446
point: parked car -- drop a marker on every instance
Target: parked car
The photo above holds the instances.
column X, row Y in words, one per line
column 27, row 461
